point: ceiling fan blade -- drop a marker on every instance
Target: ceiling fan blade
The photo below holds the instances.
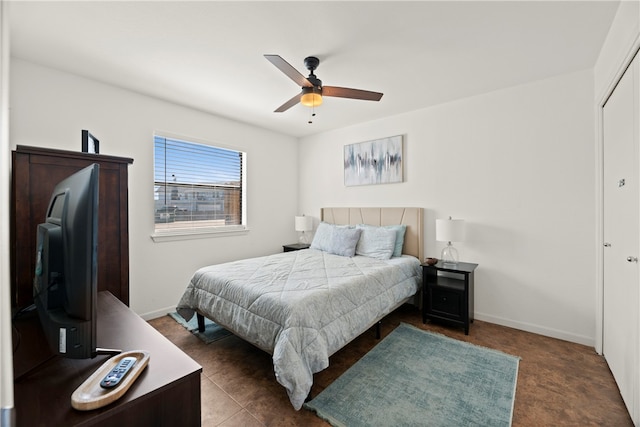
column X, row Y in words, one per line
column 290, row 103
column 345, row 92
column 288, row 69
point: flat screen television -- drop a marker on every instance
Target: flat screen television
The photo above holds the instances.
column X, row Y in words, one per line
column 65, row 279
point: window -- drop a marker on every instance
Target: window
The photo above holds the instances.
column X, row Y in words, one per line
column 197, row 187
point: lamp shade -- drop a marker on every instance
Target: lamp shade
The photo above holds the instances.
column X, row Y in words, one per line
column 304, row 223
column 450, row 230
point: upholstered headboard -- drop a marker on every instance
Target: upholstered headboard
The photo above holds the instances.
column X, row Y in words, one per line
column 411, row 217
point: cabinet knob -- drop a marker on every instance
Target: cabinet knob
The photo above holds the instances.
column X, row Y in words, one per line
column 632, row 259
column 607, row 245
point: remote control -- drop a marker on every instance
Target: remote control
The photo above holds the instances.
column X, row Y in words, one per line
column 116, row 375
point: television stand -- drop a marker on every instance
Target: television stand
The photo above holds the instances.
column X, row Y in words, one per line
column 167, row 392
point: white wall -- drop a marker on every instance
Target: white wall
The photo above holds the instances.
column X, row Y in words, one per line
column 49, row 108
column 624, row 30
column 518, row 166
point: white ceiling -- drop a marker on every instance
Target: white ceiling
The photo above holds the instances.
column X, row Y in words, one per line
column 209, row 54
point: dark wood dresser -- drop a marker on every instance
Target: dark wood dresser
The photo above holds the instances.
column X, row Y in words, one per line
column 167, row 392
column 35, row 172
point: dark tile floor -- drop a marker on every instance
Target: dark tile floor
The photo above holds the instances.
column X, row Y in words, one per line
column 559, row 383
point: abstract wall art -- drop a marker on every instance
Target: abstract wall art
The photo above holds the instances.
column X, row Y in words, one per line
column 373, row 162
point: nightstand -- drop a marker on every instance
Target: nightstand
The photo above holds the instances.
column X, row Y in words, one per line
column 295, row 247
column 447, row 293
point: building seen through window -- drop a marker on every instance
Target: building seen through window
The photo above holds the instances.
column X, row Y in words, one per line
column 196, row 185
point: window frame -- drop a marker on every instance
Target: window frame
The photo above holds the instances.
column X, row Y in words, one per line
column 199, row 232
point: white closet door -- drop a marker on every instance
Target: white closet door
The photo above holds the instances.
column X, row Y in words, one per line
column 621, row 236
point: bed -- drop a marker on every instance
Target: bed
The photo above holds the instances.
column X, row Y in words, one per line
column 303, row 306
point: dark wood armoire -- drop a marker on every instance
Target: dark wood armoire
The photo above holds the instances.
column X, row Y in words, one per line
column 35, row 172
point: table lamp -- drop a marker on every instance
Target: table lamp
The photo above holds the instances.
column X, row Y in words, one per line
column 450, row 230
column 304, row 224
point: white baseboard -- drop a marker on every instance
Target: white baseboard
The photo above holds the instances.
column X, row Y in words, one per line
column 537, row 329
column 158, row 313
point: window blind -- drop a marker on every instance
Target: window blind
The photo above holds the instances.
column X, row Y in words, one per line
column 196, row 185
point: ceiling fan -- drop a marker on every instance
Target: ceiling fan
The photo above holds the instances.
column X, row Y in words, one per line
column 312, row 89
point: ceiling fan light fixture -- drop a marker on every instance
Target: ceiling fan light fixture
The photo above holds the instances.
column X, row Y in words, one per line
column 311, row 96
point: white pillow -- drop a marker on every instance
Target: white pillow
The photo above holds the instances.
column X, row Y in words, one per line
column 322, row 237
column 376, row 242
column 400, row 230
column 336, row 239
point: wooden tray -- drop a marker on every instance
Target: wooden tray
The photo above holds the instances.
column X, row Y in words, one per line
column 91, row 396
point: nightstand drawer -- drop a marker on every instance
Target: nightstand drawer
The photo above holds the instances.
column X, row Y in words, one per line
column 446, row 303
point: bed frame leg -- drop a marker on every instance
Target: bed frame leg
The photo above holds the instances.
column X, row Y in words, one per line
column 378, row 329
column 200, row 322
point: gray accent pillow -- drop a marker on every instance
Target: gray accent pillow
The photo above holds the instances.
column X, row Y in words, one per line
column 336, row 239
column 376, row 242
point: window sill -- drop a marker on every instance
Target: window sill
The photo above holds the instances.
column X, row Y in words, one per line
column 202, row 233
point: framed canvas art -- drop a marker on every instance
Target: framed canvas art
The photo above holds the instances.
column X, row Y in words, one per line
column 373, row 162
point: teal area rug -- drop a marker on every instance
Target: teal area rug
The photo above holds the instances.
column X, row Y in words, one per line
column 418, row 378
column 212, row 331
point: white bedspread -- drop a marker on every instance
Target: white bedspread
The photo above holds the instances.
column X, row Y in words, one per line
column 300, row 306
